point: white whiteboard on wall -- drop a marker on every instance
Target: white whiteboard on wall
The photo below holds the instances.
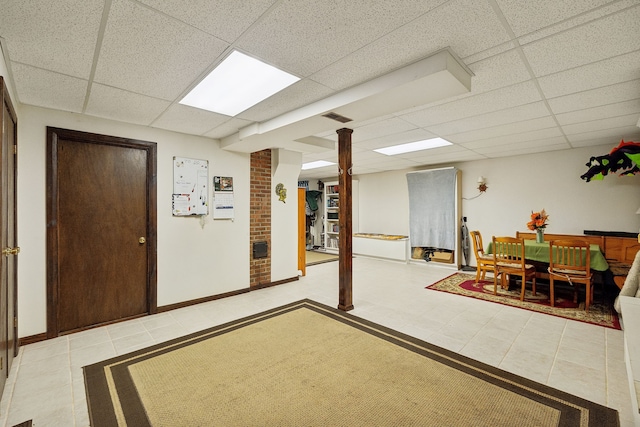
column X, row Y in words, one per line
column 190, row 187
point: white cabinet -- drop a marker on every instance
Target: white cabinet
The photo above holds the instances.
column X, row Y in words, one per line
column 332, row 211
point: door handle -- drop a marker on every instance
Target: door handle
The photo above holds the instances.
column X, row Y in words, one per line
column 11, row 251
column 142, row 240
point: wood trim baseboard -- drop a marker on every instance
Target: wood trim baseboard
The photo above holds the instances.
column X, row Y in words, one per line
column 183, row 304
column 32, row 339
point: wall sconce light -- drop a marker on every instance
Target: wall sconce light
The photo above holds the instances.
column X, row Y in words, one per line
column 482, row 184
column 482, row 187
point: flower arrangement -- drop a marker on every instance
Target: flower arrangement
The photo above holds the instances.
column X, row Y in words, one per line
column 538, row 220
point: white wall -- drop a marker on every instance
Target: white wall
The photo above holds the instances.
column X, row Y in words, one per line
column 517, row 185
column 383, row 201
column 193, row 261
column 285, row 168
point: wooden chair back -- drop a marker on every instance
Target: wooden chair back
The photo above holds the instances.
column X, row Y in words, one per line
column 476, row 240
column 570, row 261
column 484, row 262
column 508, row 255
column 570, row 256
column 509, row 251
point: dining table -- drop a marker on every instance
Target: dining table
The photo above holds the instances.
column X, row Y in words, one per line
column 535, row 251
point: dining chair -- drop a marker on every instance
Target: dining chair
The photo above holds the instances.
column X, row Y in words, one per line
column 570, row 261
column 508, row 258
column 484, row 262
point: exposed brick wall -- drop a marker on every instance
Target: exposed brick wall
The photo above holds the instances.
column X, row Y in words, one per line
column 260, row 215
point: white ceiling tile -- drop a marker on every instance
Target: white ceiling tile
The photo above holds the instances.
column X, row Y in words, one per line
column 439, row 151
column 151, row 54
column 382, row 128
column 488, row 53
column 498, row 71
column 601, row 73
column 367, row 157
column 596, row 97
column 499, row 99
column 526, row 17
column 330, row 30
column 229, row 127
column 392, row 163
column 525, row 133
column 516, row 145
column 56, row 35
column 445, row 26
column 596, row 113
column 585, row 53
column 609, row 141
column 295, row 96
column 214, row 16
column 614, row 136
column 448, row 25
column 458, row 156
column 329, row 156
column 497, row 118
column 48, row 89
column 182, row 118
column 321, row 172
column 583, row 18
column 117, row 104
column 608, row 37
column 530, row 150
column 394, row 139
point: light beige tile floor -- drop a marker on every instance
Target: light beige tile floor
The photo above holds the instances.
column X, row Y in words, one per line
column 46, row 383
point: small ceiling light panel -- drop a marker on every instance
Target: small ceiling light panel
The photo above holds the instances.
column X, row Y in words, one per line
column 316, row 164
column 413, row 146
column 236, row 84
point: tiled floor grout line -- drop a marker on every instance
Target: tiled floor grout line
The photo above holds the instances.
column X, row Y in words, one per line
column 379, row 297
column 555, row 356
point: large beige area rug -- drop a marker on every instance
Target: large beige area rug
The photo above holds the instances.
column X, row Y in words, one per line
column 306, row 364
column 601, row 314
column 316, row 257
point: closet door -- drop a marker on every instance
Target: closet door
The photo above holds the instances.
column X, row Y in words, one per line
column 101, row 230
column 8, row 236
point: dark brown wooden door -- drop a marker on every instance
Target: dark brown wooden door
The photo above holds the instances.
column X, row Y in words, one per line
column 102, row 230
column 8, row 236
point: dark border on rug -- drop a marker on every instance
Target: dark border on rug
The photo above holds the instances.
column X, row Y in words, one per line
column 133, row 410
column 617, row 326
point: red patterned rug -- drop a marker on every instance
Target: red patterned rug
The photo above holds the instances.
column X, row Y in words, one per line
column 599, row 313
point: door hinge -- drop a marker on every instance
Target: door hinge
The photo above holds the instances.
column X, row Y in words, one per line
column 15, row 148
column 15, row 322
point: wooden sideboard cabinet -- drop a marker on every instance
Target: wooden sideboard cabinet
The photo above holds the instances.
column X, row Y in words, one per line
column 618, row 248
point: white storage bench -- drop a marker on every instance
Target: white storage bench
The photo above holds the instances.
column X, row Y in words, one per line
column 387, row 246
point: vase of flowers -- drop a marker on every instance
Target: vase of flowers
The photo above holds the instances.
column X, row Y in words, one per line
column 538, row 223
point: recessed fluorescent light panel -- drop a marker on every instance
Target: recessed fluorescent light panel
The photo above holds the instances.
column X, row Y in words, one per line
column 413, row 146
column 239, row 82
column 316, row 164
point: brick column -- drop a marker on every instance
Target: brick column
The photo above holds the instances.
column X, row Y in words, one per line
column 260, row 216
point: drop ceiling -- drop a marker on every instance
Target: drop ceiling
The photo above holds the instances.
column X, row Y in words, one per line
column 545, row 75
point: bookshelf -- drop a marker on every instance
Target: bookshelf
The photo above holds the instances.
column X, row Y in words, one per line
column 331, row 226
column 331, row 213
